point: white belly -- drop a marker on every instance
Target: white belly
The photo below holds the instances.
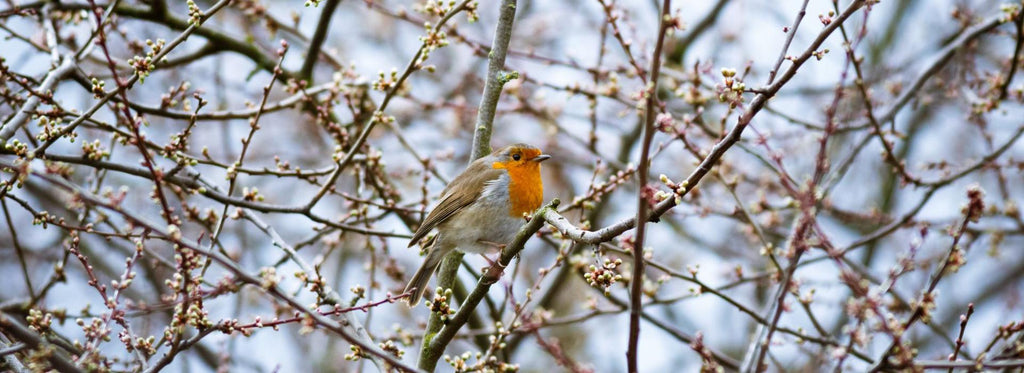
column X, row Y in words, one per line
column 482, row 223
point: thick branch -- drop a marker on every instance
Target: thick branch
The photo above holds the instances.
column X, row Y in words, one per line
column 433, row 351
column 31, row 339
column 52, row 78
column 313, row 54
column 447, row 274
column 495, row 81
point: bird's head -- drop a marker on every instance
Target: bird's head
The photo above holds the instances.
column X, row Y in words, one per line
column 518, row 156
column 522, row 162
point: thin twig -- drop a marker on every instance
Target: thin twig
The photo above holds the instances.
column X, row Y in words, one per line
column 373, row 120
column 160, row 231
column 964, row 318
column 643, row 204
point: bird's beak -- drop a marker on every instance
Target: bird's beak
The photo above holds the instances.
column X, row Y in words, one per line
column 541, row 158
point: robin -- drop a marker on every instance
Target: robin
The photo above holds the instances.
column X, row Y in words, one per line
column 481, row 209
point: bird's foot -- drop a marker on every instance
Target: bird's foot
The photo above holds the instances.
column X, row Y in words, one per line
column 499, row 246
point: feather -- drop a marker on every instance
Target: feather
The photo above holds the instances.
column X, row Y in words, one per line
column 464, row 190
column 418, row 284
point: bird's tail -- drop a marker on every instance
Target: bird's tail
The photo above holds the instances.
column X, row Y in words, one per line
column 419, row 280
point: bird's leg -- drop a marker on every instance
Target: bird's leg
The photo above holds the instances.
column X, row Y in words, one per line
column 495, row 269
column 495, row 245
column 499, row 246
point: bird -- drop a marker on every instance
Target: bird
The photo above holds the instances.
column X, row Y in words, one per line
column 481, row 209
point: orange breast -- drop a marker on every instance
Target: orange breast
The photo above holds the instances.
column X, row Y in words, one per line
column 526, row 190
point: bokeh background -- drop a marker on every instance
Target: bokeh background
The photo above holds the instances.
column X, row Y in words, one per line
column 941, row 76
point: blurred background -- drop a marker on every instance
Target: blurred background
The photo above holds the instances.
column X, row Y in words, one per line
column 872, row 145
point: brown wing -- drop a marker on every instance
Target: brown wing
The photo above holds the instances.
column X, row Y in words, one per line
column 459, row 193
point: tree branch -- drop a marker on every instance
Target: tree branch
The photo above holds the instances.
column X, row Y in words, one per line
column 436, row 345
column 447, row 274
column 322, row 26
column 343, row 329
column 636, row 282
column 33, row 340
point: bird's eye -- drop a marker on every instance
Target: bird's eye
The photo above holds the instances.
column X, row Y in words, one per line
column 516, row 156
